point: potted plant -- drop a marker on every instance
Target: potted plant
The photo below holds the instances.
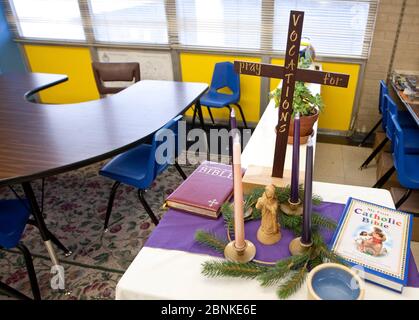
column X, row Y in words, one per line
column 307, row 104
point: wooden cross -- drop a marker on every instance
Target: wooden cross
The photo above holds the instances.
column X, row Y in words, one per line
column 290, row 73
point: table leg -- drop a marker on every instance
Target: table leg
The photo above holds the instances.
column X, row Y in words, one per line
column 37, row 214
column 200, row 115
column 201, row 120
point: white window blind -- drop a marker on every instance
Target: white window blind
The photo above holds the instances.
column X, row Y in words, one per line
column 334, row 27
column 219, row 23
column 133, row 21
column 341, row 28
column 47, row 19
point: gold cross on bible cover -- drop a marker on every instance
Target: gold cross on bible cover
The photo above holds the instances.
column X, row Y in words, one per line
column 290, row 73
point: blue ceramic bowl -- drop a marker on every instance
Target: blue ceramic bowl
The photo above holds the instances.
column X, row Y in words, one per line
column 331, row 281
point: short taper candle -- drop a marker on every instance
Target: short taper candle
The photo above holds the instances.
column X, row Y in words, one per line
column 295, row 160
column 308, row 195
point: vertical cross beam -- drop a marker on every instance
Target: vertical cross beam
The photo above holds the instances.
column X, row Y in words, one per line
column 287, row 95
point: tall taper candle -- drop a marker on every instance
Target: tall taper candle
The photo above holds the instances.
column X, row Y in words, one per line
column 308, row 183
column 233, row 131
column 233, row 124
column 238, row 194
column 295, row 160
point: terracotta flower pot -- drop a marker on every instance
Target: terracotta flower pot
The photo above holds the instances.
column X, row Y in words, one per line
column 306, row 128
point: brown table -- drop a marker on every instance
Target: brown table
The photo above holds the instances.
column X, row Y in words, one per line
column 38, row 140
column 403, row 100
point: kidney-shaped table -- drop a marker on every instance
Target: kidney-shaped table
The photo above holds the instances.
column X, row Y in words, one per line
column 39, row 140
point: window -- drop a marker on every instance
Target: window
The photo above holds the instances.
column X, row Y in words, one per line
column 219, row 23
column 132, row 21
column 48, row 19
column 334, row 27
column 337, row 28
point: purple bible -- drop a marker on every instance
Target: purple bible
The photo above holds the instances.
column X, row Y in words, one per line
column 205, row 190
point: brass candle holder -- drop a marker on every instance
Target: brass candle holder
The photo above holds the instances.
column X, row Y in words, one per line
column 297, row 247
column 247, row 213
column 241, row 255
column 291, row 208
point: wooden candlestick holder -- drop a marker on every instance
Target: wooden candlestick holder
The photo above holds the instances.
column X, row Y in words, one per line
column 291, row 208
column 297, row 247
column 241, row 255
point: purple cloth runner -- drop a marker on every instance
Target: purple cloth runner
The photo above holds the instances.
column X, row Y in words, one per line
column 176, row 231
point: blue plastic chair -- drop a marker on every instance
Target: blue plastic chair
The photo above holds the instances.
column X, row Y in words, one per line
column 405, row 120
column 405, row 164
column 138, row 167
column 223, row 76
column 410, row 129
column 14, row 215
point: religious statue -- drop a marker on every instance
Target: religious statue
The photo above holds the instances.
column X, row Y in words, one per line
column 269, row 230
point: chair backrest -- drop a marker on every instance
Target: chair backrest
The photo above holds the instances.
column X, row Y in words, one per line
column 164, row 149
column 382, row 107
column 107, row 71
column 383, row 92
column 390, row 110
column 225, row 76
column 399, row 152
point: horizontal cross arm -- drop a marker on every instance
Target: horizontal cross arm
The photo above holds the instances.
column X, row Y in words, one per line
column 259, row 69
column 321, row 77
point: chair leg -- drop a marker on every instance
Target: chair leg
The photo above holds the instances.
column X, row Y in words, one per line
column 210, row 114
column 404, row 198
column 242, row 114
column 60, row 245
column 384, row 178
column 147, row 207
column 12, row 292
column 370, row 132
column 374, row 153
column 200, row 115
column 179, row 169
column 194, row 117
column 110, row 204
column 53, row 239
column 31, row 271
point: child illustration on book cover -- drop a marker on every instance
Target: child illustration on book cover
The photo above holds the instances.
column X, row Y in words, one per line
column 372, row 242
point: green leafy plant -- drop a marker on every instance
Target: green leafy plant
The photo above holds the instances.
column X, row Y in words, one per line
column 305, row 102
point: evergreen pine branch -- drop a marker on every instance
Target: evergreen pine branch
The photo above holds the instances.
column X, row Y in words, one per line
column 292, row 223
column 256, row 214
column 281, row 269
column 228, row 216
column 317, row 200
column 329, row 256
column 248, row 270
column 293, row 284
column 252, row 198
column 282, row 194
column 317, row 238
column 210, row 240
column 322, row 221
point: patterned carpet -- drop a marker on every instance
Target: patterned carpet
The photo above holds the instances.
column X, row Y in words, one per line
column 75, row 205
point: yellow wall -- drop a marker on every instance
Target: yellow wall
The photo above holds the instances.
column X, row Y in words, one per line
column 75, row 62
column 199, row 68
column 338, row 101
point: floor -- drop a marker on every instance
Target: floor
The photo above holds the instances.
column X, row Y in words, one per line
column 75, row 205
column 337, row 163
